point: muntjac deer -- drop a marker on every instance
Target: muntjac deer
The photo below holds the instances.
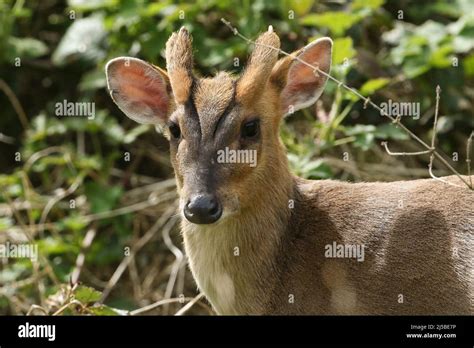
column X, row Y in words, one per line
column 262, row 241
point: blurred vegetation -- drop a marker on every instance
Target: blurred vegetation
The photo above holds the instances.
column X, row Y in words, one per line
column 97, row 195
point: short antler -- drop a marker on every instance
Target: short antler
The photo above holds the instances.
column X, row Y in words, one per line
column 179, row 63
column 260, row 65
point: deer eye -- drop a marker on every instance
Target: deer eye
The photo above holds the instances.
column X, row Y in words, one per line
column 250, row 129
column 175, row 130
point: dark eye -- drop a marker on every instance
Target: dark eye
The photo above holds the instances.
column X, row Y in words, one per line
column 175, row 130
column 250, row 129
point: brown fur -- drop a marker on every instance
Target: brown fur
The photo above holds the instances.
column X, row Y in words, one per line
column 257, row 72
column 179, row 58
column 266, row 254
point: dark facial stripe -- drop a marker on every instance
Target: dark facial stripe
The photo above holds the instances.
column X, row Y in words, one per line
column 192, row 117
column 228, row 108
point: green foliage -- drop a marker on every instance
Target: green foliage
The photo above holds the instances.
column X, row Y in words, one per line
column 338, row 22
column 86, row 294
column 372, row 86
column 343, row 50
column 102, row 198
column 430, row 45
column 83, row 40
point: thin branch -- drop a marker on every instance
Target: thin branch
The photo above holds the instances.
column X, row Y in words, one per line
column 66, row 306
column 15, row 103
column 435, row 123
column 430, row 170
column 433, row 139
column 468, row 156
column 189, row 305
column 46, row 152
column 385, row 144
column 74, row 186
column 7, row 139
column 152, row 201
column 86, row 243
column 160, row 303
column 177, row 263
column 36, row 307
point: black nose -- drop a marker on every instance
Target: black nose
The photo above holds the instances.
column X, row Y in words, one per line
column 203, row 209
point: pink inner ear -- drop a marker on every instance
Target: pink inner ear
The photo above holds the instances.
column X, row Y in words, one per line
column 301, row 74
column 303, row 85
column 141, row 91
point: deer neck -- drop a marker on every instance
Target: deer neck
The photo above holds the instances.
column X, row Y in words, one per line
column 235, row 261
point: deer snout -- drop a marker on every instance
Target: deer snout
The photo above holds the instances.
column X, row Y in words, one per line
column 203, row 209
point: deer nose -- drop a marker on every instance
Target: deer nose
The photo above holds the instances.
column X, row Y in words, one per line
column 203, row 209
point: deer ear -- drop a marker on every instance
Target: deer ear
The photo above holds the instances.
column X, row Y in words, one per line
column 140, row 90
column 299, row 85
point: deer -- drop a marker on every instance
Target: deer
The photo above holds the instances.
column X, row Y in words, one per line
column 262, row 241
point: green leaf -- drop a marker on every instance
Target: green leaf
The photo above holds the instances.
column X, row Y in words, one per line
column 83, row 40
column 101, row 254
column 55, row 246
column 6, row 180
column 468, row 64
column 394, row 36
column 416, row 66
column 74, row 223
column 104, row 310
column 26, row 47
column 89, row 163
column 390, row 131
column 464, row 22
column 301, row 7
column 45, row 162
column 364, row 141
column 441, row 57
column 102, row 198
column 373, row 85
column 463, row 44
column 87, row 294
column 336, row 22
column 359, row 129
column 445, row 124
column 93, row 80
column 372, row 4
column 310, row 169
column 89, row 5
column 432, row 31
column 342, row 49
column 131, row 135
column 15, row 190
column 317, row 169
column 364, row 135
column 153, row 9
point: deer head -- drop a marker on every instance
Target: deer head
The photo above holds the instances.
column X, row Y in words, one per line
column 204, row 116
